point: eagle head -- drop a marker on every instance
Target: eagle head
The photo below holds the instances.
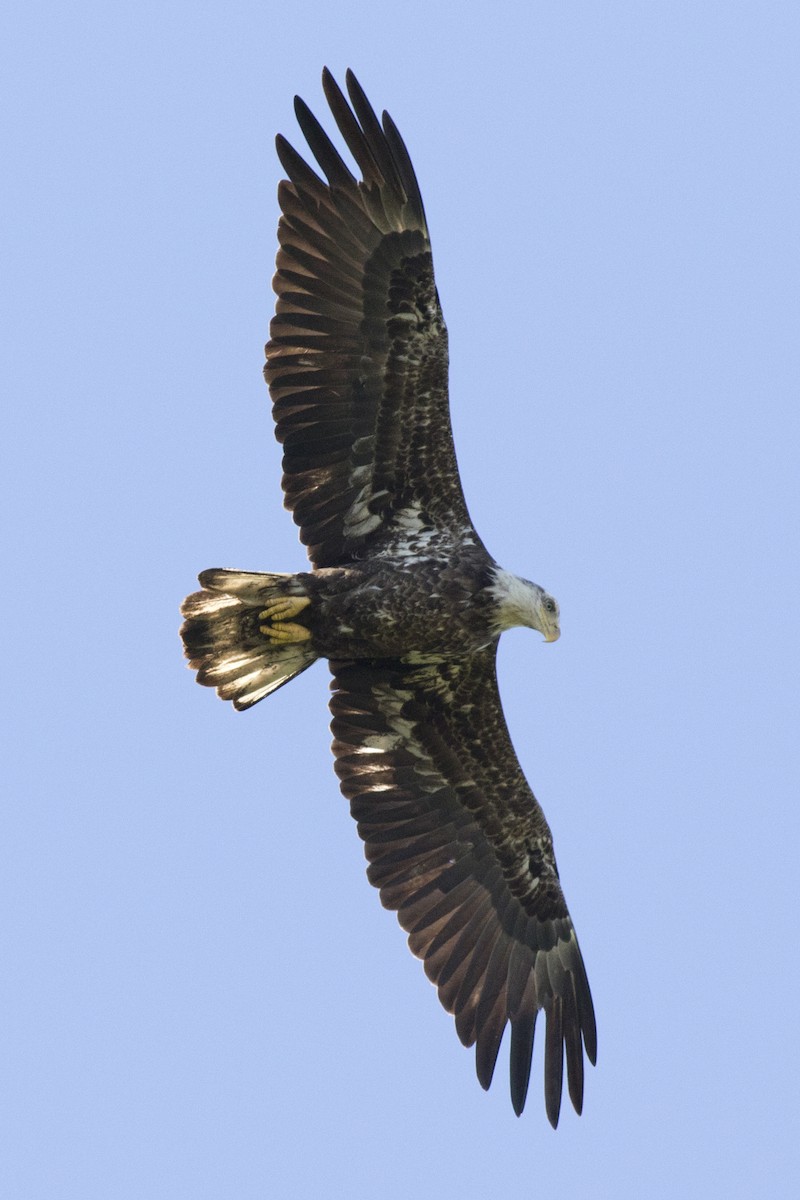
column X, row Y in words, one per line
column 520, row 602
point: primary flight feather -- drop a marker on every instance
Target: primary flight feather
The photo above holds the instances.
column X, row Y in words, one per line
column 404, row 601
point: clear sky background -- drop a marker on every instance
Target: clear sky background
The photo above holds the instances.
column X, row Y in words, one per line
column 201, row 995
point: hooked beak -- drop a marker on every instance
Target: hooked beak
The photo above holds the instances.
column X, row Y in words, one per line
column 553, row 635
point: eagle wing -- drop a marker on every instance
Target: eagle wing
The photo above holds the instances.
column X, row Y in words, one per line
column 459, row 847
column 357, row 357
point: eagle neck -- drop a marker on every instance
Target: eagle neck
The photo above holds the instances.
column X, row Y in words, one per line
column 514, row 601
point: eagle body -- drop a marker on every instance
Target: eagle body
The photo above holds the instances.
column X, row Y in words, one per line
column 404, row 602
column 382, row 608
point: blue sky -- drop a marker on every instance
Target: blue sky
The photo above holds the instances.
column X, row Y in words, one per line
column 202, row 997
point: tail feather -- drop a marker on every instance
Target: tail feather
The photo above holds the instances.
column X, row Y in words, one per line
column 224, row 644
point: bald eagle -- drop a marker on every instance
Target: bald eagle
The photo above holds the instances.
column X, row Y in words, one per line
column 404, row 601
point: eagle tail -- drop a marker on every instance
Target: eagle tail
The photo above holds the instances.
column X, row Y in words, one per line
column 237, row 647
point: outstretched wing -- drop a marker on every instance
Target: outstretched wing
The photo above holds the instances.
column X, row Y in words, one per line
column 460, row 848
column 357, row 357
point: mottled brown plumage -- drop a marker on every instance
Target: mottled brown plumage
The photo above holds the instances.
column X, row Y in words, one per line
column 405, row 602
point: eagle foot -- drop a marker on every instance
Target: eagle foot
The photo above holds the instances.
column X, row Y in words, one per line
column 284, row 608
column 285, row 631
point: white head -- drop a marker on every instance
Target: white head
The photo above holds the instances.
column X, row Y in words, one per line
column 520, row 602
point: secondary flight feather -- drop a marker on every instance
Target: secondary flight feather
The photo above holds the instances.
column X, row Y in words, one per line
column 405, row 603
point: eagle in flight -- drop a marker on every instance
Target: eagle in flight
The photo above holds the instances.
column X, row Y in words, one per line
column 404, row 601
